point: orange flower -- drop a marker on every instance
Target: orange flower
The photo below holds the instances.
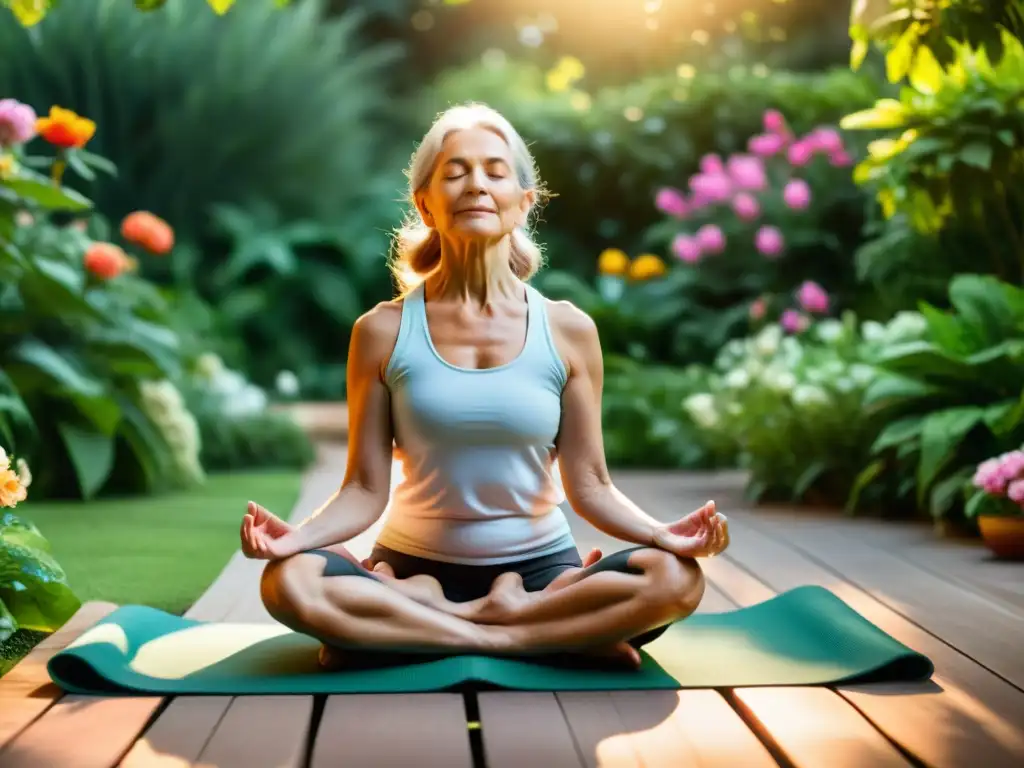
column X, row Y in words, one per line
column 106, row 260
column 148, row 231
column 63, row 128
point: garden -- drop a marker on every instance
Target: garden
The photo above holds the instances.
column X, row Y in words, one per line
column 798, row 228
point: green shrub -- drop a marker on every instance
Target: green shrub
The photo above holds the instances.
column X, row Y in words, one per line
column 604, row 153
column 793, row 405
column 645, row 424
column 951, row 154
column 257, row 106
column 949, row 401
column 79, row 352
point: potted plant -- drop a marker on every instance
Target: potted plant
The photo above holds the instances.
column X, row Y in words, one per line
column 997, row 502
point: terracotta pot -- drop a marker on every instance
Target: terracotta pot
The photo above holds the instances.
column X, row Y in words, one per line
column 1003, row 534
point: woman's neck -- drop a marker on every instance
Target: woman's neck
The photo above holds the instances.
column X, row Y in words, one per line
column 475, row 272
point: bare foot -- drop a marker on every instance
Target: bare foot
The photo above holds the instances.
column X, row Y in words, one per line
column 618, row 655
column 330, row 659
column 500, row 605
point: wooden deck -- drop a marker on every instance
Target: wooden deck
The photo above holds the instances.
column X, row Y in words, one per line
column 945, row 599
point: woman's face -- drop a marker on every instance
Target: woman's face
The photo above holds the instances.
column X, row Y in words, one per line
column 474, row 192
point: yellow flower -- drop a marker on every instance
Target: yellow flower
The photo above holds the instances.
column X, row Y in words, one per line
column 565, row 73
column 646, row 266
column 7, row 167
column 220, row 7
column 28, row 12
column 12, row 490
column 612, row 261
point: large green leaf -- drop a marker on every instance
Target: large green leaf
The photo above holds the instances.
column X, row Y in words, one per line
column 8, row 626
column 56, row 367
column 942, row 433
column 993, row 310
column 34, row 588
column 898, row 433
column 17, row 530
column 48, row 195
column 921, row 359
column 92, row 455
column 890, row 389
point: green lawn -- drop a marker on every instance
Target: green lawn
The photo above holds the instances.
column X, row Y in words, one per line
column 162, row 551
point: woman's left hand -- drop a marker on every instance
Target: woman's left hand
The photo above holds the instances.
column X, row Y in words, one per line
column 702, row 533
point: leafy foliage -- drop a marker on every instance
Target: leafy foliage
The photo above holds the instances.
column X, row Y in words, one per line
column 253, row 107
column 645, row 424
column 949, row 400
column 34, row 592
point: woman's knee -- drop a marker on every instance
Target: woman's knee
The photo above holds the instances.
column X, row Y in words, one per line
column 675, row 583
column 289, row 588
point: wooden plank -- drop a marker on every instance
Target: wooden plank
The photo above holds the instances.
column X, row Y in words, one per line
column 427, row 730
column 261, row 732
column 814, row 726
column 26, row 691
column 981, row 716
column 647, row 729
column 948, row 610
column 180, row 734
column 525, row 728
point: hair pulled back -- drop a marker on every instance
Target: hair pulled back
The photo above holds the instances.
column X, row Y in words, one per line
column 417, row 247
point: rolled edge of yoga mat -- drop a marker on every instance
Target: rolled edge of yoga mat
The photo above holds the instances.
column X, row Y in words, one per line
column 806, row 636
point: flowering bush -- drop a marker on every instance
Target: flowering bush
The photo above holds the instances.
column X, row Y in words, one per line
column 793, row 404
column 758, row 224
column 81, row 336
column 34, row 593
column 998, row 486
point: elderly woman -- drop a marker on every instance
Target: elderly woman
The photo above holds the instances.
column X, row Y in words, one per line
column 477, row 384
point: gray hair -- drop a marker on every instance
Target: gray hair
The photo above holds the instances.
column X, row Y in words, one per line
column 417, row 248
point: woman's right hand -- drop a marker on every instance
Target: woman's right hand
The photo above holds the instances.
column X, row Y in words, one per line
column 265, row 536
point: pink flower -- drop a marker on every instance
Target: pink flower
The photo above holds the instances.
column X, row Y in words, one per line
column 1015, row 492
column 774, row 122
column 797, row 195
column 794, row 322
column 840, row 159
column 710, row 187
column 711, row 164
column 711, row 239
column 758, row 309
column 800, row 153
column 995, row 475
column 769, row 241
column 766, row 144
column 745, row 206
column 826, row 140
column 17, row 122
column 1012, row 465
column 748, row 172
column 986, row 477
column 686, row 249
column 671, row 201
column 812, row 298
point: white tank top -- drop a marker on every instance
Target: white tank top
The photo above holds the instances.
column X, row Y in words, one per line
column 479, row 483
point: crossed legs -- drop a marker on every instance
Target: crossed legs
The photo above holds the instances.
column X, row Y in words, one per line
column 592, row 610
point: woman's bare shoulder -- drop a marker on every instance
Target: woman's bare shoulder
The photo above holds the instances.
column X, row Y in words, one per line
column 376, row 330
column 571, row 323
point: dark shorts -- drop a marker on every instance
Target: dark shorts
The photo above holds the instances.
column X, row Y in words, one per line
column 462, row 583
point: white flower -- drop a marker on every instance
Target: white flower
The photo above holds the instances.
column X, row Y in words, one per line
column 5, row 460
column 778, row 379
column 872, row 331
column 734, row 409
column 209, row 366
column 24, row 474
column 737, row 379
column 250, row 401
column 287, row 384
column 791, row 350
column 829, row 331
column 766, row 343
column 845, row 384
column 228, row 383
column 905, row 326
column 701, row 408
column 808, row 395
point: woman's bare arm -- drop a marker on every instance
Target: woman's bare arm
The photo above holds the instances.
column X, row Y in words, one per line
column 364, row 492
column 588, row 483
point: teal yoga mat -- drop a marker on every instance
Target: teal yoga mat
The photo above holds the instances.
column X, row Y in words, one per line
column 806, row 636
